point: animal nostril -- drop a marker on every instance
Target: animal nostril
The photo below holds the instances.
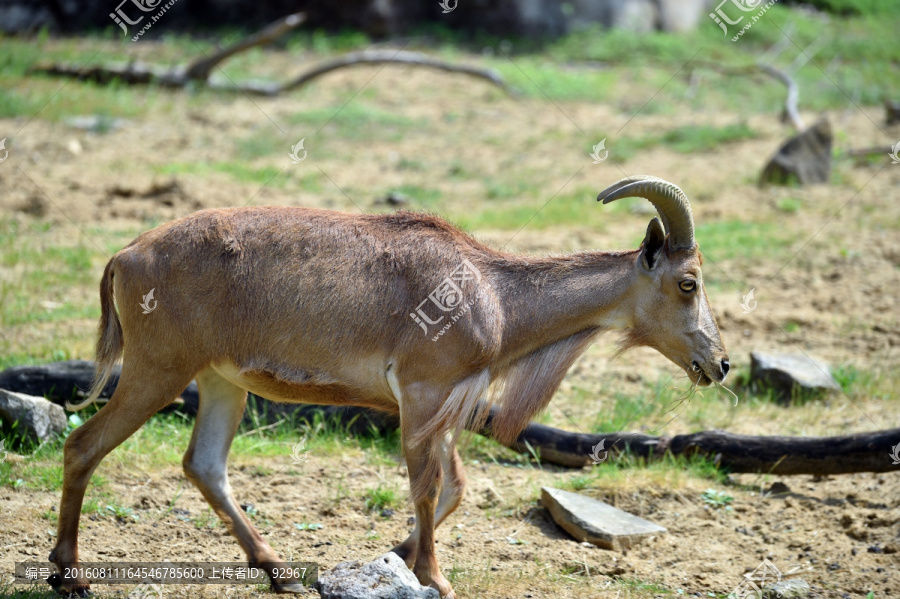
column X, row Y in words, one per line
column 726, row 366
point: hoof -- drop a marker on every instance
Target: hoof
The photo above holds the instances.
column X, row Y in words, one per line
column 442, row 585
column 69, row 589
column 288, row 587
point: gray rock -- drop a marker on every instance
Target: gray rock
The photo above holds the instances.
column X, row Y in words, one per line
column 804, row 158
column 38, row 418
column 639, row 16
column 794, row 588
column 785, row 372
column 679, row 16
column 596, row 522
column 386, row 577
column 95, row 123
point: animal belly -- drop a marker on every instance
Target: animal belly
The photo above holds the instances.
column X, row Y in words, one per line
column 269, row 385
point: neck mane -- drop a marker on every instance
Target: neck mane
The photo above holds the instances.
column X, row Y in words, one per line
column 553, row 308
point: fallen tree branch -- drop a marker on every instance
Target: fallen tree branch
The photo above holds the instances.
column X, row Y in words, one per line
column 793, row 91
column 198, row 72
column 862, row 452
column 139, row 73
column 793, row 94
column 201, row 68
column 883, row 150
column 397, row 57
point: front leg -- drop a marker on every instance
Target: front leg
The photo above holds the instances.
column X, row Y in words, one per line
column 453, row 486
column 425, row 480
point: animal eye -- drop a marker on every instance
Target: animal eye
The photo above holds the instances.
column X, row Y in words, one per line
column 688, row 285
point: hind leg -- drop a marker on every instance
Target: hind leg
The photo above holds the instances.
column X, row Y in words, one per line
column 221, row 407
column 453, row 486
column 144, row 388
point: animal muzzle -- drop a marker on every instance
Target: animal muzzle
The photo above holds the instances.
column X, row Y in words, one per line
column 713, row 371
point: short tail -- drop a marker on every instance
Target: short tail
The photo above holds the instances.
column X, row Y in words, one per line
column 109, row 342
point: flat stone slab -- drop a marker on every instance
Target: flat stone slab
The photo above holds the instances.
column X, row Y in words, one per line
column 597, row 522
column 385, row 577
column 784, row 372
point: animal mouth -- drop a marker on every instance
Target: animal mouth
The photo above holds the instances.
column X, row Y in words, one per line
column 702, row 378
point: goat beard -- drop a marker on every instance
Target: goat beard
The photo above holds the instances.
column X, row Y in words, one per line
column 634, row 337
column 642, row 337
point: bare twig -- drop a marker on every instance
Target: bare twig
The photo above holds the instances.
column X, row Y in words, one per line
column 793, row 94
column 201, row 68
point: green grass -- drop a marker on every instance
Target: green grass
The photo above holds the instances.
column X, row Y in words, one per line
column 381, row 497
column 571, row 207
column 688, row 139
column 789, row 205
column 45, row 272
column 162, row 441
column 626, row 412
column 536, row 77
column 637, row 585
column 239, row 170
column 622, row 469
column 730, row 239
column 207, row 520
column 355, row 121
column 860, row 383
column 48, row 275
column 121, row 513
column 717, row 499
column 852, row 7
column 418, row 196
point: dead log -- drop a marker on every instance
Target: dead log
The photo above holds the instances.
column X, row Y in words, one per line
column 844, row 454
column 69, row 381
column 861, row 452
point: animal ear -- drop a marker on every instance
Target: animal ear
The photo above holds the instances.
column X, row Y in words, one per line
column 652, row 246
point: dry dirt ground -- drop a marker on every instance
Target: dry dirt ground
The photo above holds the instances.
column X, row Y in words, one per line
column 829, row 288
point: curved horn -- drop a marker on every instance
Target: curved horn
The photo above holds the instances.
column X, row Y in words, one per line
column 671, row 203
